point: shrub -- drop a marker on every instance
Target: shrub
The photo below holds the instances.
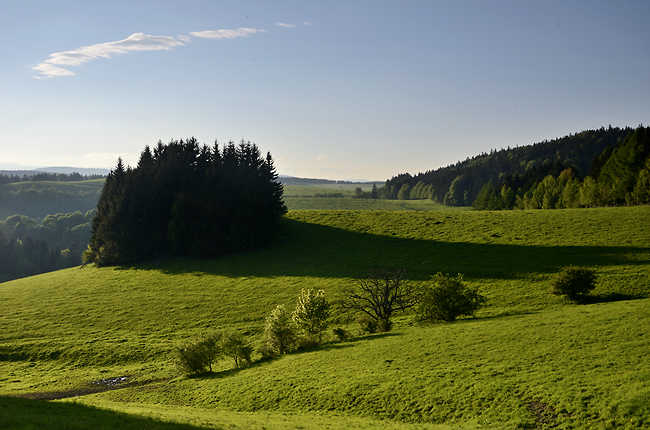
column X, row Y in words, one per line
column 235, row 346
column 574, row 282
column 340, row 333
column 311, row 313
column 197, row 357
column 367, row 325
column 280, row 331
column 446, row 299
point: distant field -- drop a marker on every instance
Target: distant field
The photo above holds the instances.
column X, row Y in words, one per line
column 310, row 197
column 71, row 186
column 529, row 359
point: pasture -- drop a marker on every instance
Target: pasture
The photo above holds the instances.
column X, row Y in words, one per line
column 527, row 360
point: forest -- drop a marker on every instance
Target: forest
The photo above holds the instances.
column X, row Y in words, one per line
column 43, row 194
column 28, row 247
column 592, row 168
column 186, row 199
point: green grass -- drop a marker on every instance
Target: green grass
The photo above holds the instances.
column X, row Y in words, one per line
column 349, row 203
column 578, row 366
column 302, row 197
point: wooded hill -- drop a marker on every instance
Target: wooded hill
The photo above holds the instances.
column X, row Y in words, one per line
column 614, row 159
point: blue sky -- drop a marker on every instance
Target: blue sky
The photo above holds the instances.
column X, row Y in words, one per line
column 333, row 89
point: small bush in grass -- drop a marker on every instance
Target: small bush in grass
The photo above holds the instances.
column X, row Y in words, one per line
column 447, row 298
column 197, row 357
column 367, row 325
column 235, row 346
column 574, row 282
column 340, row 333
column 311, row 314
column 280, row 331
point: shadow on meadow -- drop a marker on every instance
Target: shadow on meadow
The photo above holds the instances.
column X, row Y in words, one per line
column 18, row 413
column 348, row 343
column 312, row 250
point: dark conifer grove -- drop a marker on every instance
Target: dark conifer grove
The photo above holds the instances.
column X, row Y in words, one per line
column 184, row 198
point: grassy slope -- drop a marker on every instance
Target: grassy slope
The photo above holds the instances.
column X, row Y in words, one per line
column 527, row 351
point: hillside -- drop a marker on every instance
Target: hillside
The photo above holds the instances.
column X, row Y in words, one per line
column 528, row 360
column 582, row 152
column 38, row 199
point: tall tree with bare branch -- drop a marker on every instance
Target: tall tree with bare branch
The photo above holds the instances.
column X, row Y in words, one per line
column 382, row 293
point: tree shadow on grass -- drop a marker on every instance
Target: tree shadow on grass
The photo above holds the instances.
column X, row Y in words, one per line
column 591, row 299
column 17, row 413
column 348, row 343
column 312, row 250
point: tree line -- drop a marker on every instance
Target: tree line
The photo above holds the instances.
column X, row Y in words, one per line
column 460, row 184
column 184, row 198
column 38, row 203
column 618, row 176
column 45, row 176
column 28, row 248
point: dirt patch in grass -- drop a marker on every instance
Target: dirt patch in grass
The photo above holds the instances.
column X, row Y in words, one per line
column 92, row 387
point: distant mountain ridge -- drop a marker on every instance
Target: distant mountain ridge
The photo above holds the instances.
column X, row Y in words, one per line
column 13, row 169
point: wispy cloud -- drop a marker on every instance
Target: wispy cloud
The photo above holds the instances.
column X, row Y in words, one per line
column 285, row 25
column 58, row 64
column 225, row 34
column 321, row 158
column 54, row 66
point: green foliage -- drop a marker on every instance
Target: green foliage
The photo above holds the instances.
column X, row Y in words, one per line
column 235, row 346
column 516, row 168
column 340, row 333
column 379, row 296
column 198, row 357
column 38, row 199
column 311, row 313
column 88, row 256
column 280, row 331
column 574, row 282
column 367, row 325
column 446, row 298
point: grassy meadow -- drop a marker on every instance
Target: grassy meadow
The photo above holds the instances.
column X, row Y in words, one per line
column 529, row 359
column 317, row 196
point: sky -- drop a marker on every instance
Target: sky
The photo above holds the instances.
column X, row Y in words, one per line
column 347, row 90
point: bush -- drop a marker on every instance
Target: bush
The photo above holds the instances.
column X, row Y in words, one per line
column 340, row 333
column 280, row 331
column 235, row 346
column 367, row 325
column 197, row 357
column 574, row 282
column 446, row 299
column 311, row 314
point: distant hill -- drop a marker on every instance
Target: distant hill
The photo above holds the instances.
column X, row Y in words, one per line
column 86, row 171
column 291, row 180
column 520, row 168
column 9, row 170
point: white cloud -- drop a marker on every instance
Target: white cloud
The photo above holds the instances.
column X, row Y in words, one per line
column 282, row 24
column 225, row 34
column 136, row 42
column 58, row 63
column 321, row 158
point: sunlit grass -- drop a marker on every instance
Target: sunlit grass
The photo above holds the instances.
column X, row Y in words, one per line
column 588, row 364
